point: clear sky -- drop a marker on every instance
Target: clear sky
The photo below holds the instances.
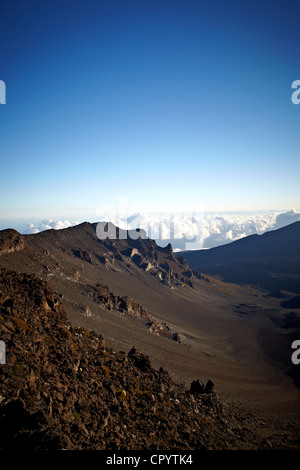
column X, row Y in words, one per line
column 161, row 102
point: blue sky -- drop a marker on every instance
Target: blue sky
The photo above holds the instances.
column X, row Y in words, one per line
column 165, row 103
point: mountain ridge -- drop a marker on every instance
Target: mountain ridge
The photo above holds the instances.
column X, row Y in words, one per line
column 270, row 260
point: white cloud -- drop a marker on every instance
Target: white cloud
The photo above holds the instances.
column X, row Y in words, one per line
column 287, row 218
column 49, row 224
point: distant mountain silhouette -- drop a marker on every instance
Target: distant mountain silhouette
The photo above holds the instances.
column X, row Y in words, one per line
column 271, row 260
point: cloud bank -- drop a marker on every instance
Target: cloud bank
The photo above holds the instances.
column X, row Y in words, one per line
column 48, row 224
column 198, row 231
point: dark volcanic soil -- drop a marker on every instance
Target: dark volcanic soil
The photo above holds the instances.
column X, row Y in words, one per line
column 61, row 388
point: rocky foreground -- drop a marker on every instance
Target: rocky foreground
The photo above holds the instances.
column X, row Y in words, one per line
column 61, row 388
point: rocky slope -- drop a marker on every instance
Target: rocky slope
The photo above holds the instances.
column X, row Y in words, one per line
column 62, row 388
column 123, row 253
column 60, row 257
